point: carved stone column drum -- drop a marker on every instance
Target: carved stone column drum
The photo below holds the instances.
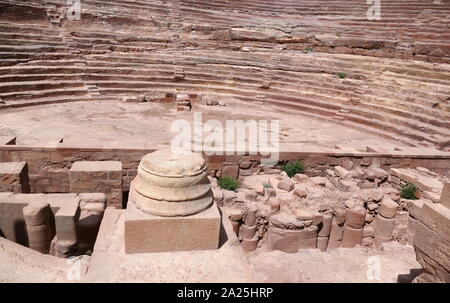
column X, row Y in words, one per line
column 170, row 206
column 171, row 185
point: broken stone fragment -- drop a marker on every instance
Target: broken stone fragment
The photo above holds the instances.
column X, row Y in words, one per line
column 346, row 163
column 339, row 215
column 249, row 245
column 245, row 164
column 384, row 227
column 229, row 196
column 319, row 180
column 351, row 237
column 355, row 217
column 369, row 218
column 445, row 195
column 368, row 231
column 347, row 184
column 231, row 171
column 286, row 221
column 358, row 172
column 371, row 206
column 330, row 172
column 303, row 215
column 367, row 241
column 322, row 243
column 269, row 192
column 336, row 231
column 250, row 217
column 318, row 217
column 235, row 214
column 217, row 194
column 286, row 184
column 251, row 194
column 367, row 184
column 236, row 225
column 325, row 228
column 372, row 195
column 341, row 172
column 271, row 171
column 300, row 193
column 247, row 232
column 388, row 207
column 373, row 173
column 300, row 178
column 287, row 198
column 274, row 204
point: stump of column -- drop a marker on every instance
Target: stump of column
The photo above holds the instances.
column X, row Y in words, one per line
column 40, row 233
column 170, row 205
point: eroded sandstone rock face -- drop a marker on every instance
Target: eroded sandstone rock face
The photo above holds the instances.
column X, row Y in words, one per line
column 170, row 184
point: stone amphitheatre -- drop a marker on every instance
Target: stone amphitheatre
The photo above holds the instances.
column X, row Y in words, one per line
column 90, row 190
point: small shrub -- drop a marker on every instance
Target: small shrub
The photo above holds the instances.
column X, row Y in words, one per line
column 228, row 183
column 293, row 168
column 308, row 49
column 267, row 185
column 342, row 75
column 408, row 192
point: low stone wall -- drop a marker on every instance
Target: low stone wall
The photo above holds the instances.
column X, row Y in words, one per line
column 48, row 167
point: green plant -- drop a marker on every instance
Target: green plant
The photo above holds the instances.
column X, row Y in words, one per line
column 408, row 192
column 267, row 185
column 293, row 168
column 308, row 49
column 228, row 183
column 342, row 75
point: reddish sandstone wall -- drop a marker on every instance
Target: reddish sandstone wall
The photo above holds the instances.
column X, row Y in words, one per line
column 49, row 167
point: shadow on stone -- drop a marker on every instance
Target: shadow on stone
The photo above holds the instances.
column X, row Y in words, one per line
column 223, row 238
column 125, row 195
column 408, row 278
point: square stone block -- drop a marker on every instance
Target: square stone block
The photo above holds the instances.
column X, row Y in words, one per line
column 150, row 233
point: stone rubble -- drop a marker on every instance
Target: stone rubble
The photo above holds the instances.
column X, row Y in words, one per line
column 346, row 207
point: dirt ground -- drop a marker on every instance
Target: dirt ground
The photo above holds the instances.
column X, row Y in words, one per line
column 127, row 123
column 229, row 263
column 396, row 263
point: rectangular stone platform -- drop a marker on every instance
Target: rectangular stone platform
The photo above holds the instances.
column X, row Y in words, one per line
column 150, row 233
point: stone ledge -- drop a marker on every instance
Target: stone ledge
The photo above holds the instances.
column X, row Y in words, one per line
column 12, row 167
